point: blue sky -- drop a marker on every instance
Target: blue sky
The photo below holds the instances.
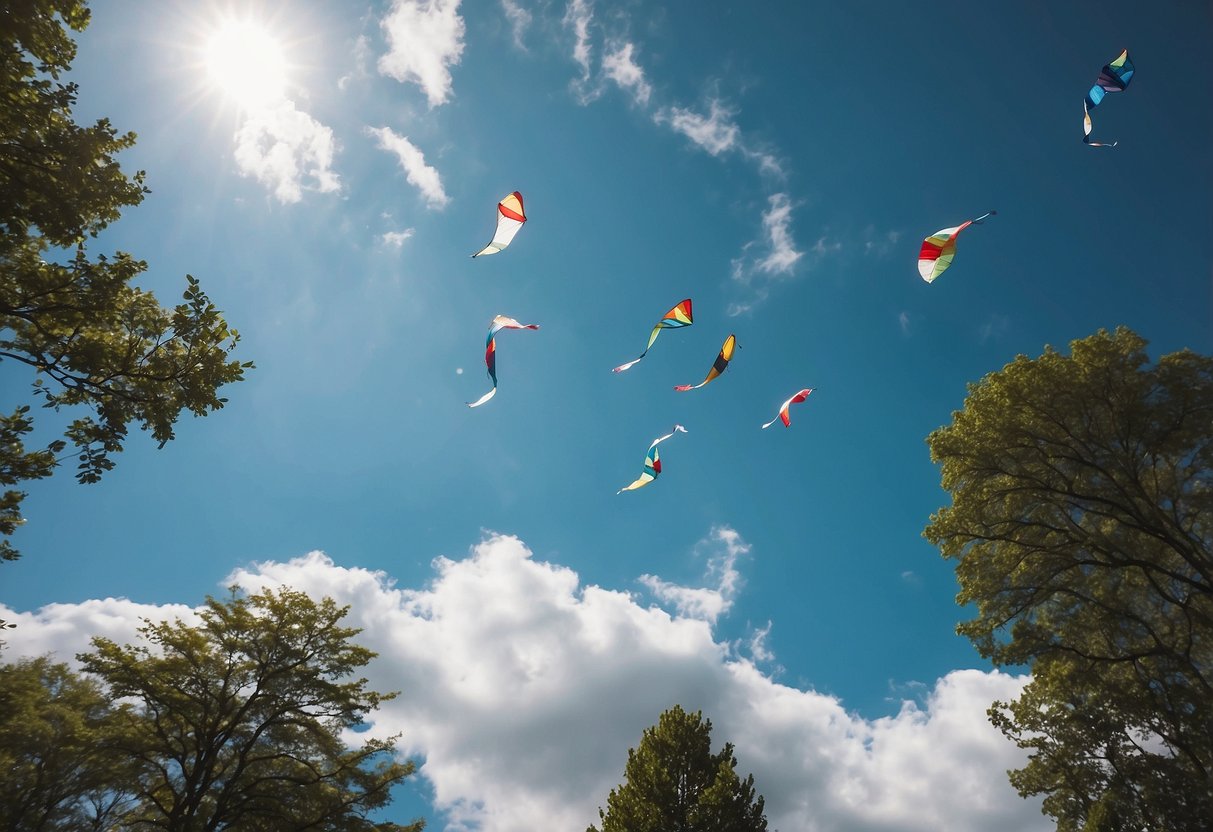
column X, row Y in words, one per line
column 778, row 164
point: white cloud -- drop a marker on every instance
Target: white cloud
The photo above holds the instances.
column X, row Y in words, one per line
column 524, row 689
column 63, row 630
column 823, row 247
column 706, row 603
column 288, row 151
column 577, row 16
column 619, row 66
column 716, row 132
column 519, row 18
column 424, row 40
column 420, row 175
column 776, row 222
column 396, row 239
column 780, row 254
column 995, row 326
column 879, row 245
column 759, row 651
column 362, row 56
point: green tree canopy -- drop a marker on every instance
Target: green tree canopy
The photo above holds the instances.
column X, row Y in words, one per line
column 237, row 723
column 674, row 783
column 54, row 728
column 92, row 340
column 1082, row 528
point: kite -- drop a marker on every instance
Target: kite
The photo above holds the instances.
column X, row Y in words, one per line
column 510, row 218
column 652, row 462
column 783, row 410
column 722, row 362
column 490, row 352
column 679, row 316
column 1114, row 77
column 939, row 249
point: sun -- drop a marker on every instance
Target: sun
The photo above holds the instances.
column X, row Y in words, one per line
column 246, row 63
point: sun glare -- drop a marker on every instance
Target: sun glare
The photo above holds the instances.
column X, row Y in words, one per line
column 246, row 64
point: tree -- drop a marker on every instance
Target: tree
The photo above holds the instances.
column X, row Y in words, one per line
column 238, row 723
column 54, row 726
column 676, row 784
column 93, row 341
column 1082, row 527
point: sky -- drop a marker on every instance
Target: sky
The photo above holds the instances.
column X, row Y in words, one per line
column 778, row 163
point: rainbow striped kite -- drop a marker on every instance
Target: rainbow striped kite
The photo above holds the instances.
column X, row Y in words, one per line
column 720, row 365
column 652, row 462
column 679, row 316
column 939, row 249
column 490, row 352
column 1114, row 77
column 783, row 410
column 510, row 217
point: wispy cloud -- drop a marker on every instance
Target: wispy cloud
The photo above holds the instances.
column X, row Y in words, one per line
column 423, row 177
column 903, row 320
column 583, row 667
column 772, row 257
column 877, row 244
column 362, row 58
column 424, row 40
column 619, row 66
column 758, row 649
column 780, row 254
column 577, row 17
column 995, row 326
column 706, row 603
column 519, row 19
column 288, row 151
column 395, row 239
column 716, row 132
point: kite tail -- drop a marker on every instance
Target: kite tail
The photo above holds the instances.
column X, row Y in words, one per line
column 629, row 365
column 984, row 216
column 483, row 398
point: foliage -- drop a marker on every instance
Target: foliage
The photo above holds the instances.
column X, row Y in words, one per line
column 93, row 340
column 54, row 727
column 238, row 722
column 676, row 784
column 1082, row 526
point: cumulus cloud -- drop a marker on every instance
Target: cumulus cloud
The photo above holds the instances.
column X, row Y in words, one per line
column 288, row 151
column 523, row 689
column 424, row 40
column 420, row 175
column 716, row 132
column 519, row 19
column 620, row 67
column 706, row 603
column 63, row 630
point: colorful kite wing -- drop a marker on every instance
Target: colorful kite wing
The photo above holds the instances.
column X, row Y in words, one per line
column 652, row 462
column 721, row 364
column 783, row 410
column 679, row 316
column 1114, row 77
column 938, row 250
column 510, row 217
column 490, row 352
